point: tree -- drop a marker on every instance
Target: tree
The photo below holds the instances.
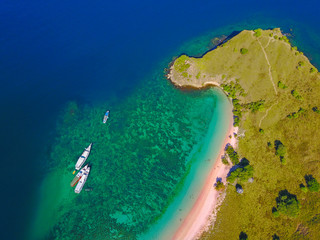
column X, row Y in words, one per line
column 243, row 51
column 287, row 204
column 280, row 149
column 312, row 183
column 243, row 236
column 242, row 174
column 275, row 237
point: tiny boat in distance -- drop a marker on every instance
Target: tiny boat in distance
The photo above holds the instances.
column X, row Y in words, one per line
column 83, row 157
column 106, row 116
column 82, row 180
column 79, row 175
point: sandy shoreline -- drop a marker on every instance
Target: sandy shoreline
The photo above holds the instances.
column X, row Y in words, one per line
column 200, row 215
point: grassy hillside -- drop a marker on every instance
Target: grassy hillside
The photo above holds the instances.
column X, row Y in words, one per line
column 263, row 66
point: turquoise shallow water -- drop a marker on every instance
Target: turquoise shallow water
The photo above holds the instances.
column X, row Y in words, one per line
column 155, row 144
column 201, row 161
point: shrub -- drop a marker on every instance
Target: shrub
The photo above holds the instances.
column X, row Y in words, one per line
column 294, row 48
column 219, row 185
column 225, row 161
column 301, row 63
column 271, row 34
column 283, row 160
column 296, row 95
column 275, row 237
column 312, row 70
column 261, row 131
column 256, row 106
column 303, row 188
column 280, row 149
column 243, row 236
column 316, row 110
column 276, row 213
column 243, row 50
column 233, row 155
column 275, row 37
column 297, row 114
column 257, row 32
column 282, row 85
column 312, row 183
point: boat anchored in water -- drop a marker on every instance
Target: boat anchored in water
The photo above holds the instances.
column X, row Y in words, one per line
column 106, row 116
column 82, row 181
column 79, row 175
column 83, row 158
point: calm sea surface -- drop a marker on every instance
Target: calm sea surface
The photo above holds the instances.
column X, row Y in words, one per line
column 63, row 63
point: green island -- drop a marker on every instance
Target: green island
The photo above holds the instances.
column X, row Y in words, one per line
column 275, row 92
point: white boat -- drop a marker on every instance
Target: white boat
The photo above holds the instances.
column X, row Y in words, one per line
column 106, row 116
column 83, row 157
column 82, row 181
column 79, row 176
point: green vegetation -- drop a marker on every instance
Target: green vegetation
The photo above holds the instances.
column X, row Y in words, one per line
column 243, row 236
column 287, row 204
column 233, row 155
column 316, row 110
column 312, row 70
column 281, row 151
column 242, row 173
column 296, row 95
column 198, row 75
column 261, row 131
column 219, row 185
column 297, row 114
column 256, row 106
column 282, row 85
column 257, row 32
column 251, row 211
column 181, row 64
column 312, row 183
column 243, row 51
column 284, row 38
column 234, row 90
column 303, row 188
column 225, row 161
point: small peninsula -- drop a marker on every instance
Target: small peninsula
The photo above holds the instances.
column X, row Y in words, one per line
column 275, row 92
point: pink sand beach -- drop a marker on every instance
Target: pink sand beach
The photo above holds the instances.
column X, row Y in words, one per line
column 200, row 215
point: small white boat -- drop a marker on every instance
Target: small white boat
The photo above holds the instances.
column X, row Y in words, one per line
column 82, row 180
column 83, row 157
column 79, row 176
column 106, row 116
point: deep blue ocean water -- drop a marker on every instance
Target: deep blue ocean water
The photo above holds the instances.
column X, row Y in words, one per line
column 52, row 52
